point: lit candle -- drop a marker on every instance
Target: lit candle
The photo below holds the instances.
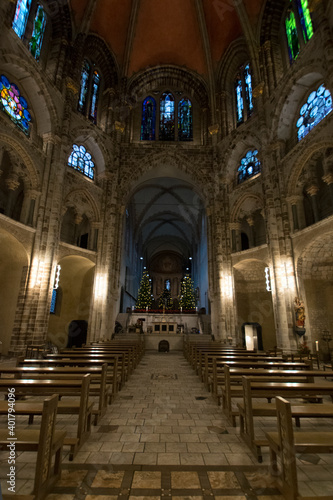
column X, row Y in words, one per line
column 317, row 345
column 181, row 309
column 147, row 308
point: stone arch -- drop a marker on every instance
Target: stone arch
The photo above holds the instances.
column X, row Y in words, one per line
column 25, row 157
column 246, row 204
column 236, row 54
column 301, row 161
column 84, row 202
column 35, row 89
column 237, row 149
column 91, row 140
column 169, row 164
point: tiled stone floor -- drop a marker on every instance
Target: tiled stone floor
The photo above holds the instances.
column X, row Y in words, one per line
column 165, row 437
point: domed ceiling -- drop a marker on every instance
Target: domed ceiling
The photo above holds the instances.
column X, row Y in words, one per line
column 146, row 33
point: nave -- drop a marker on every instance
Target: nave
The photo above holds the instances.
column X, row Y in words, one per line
column 164, row 436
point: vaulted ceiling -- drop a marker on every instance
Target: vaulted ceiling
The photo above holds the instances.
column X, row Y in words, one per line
column 144, row 33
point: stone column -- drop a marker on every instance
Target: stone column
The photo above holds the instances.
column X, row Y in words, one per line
column 12, row 183
column 312, row 191
column 94, row 235
column 268, row 64
column 61, row 62
column 235, row 237
column 295, row 211
column 28, row 207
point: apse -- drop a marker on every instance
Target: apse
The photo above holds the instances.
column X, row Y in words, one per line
column 165, row 235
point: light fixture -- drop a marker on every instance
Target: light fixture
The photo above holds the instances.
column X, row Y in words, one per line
column 141, row 258
column 57, row 277
column 190, row 258
column 268, row 279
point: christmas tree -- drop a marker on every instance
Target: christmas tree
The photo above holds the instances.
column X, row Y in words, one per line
column 165, row 299
column 187, row 297
column 144, row 293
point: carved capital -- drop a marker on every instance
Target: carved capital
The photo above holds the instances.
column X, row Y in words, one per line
column 293, row 200
column 312, row 190
column 78, row 219
column 119, row 127
column 12, row 183
column 33, row 194
column 213, row 129
column 258, row 90
column 250, row 221
column 328, row 178
column 234, row 226
column 72, row 86
column 95, row 225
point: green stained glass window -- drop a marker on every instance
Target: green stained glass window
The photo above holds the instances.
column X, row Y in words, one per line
column 305, row 18
column 292, row 35
column 36, row 41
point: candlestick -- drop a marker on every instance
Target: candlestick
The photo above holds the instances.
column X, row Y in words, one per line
column 317, row 345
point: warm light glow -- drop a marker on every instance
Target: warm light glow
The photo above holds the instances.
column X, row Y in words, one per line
column 37, row 273
column 57, row 277
column 101, row 286
column 268, row 279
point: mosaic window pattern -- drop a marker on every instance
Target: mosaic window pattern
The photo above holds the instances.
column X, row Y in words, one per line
column 292, row 35
column 21, row 17
column 35, row 44
column 185, row 130
column 53, row 301
column 305, row 18
column 239, row 100
column 250, row 166
column 248, row 89
column 14, row 104
column 94, row 96
column 82, row 104
column 167, row 117
column 148, row 119
column 317, row 106
column 81, row 160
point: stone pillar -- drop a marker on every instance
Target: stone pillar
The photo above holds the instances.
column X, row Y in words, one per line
column 312, row 191
column 296, row 212
column 110, row 99
column 94, row 236
column 28, row 207
column 252, row 241
column 328, row 179
column 12, row 183
column 61, row 62
column 235, row 237
column 223, row 112
column 268, row 64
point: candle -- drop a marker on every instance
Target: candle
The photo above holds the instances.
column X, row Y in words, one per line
column 147, row 308
column 181, row 309
column 317, row 345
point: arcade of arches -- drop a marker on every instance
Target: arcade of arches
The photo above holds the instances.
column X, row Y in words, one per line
column 179, row 138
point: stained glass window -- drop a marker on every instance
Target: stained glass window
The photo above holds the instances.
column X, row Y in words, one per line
column 148, row 119
column 81, row 160
column 53, row 301
column 36, row 41
column 185, row 132
column 239, row 100
column 167, row 117
column 248, row 89
column 250, row 166
column 94, row 96
column 305, row 18
column 292, row 35
column 82, row 104
column 14, row 104
column 317, row 106
column 21, row 17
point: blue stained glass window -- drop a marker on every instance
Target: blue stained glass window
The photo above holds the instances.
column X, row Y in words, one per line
column 53, row 301
column 250, row 166
column 185, row 132
column 317, row 106
column 35, row 44
column 21, row 17
column 148, row 119
column 82, row 104
column 14, row 104
column 167, row 117
column 248, row 89
column 239, row 100
column 167, row 285
column 81, row 160
column 305, row 18
column 94, row 96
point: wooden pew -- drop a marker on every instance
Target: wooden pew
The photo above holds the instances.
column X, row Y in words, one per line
column 233, row 388
column 249, row 410
column 285, row 443
column 218, row 380
column 82, row 407
column 47, row 442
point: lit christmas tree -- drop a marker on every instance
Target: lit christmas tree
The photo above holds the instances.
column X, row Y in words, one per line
column 144, row 293
column 165, row 299
column 187, row 297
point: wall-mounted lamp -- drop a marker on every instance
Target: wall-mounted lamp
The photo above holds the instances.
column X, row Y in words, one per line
column 268, row 279
column 57, row 277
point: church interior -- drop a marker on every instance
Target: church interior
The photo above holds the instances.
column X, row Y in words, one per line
column 166, row 176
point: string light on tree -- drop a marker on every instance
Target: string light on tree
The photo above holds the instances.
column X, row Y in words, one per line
column 144, row 293
column 187, row 297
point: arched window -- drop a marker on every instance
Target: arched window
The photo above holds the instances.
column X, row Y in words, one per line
column 81, row 160
column 250, row 166
column 21, row 17
column 297, row 19
column 35, row 44
column 14, row 104
column 243, row 93
column 148, row 119
column 89, row 91
column 167, row 117
column 185, row 132
column 317, row 106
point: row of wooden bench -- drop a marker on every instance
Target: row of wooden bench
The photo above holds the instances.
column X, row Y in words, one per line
column 225, row 372
column 97, row 371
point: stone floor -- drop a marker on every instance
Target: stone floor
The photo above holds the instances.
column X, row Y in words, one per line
column 165, row 437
